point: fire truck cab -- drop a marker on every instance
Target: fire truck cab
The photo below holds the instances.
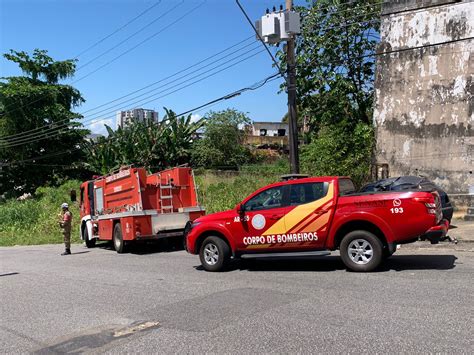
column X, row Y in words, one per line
column 129, row 205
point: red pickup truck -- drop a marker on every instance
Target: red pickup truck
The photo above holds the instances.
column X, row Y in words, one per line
column 312, row 216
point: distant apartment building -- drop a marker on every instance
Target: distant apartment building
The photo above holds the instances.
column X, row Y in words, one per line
column 123, row 118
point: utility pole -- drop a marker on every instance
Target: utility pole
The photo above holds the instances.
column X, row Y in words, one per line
column 273, row 28
column 291, row 87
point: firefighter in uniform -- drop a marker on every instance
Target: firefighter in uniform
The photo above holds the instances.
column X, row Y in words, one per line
column 65, row 221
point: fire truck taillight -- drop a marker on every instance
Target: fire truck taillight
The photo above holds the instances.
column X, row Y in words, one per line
column 138, row 231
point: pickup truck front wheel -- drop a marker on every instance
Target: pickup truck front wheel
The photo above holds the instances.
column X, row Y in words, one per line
column 214, row 254
column 361, row 251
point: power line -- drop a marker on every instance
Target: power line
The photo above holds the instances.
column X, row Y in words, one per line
column 212, row 56
column 30, row 136
column 119, row 29
column 129, row 37
column 260, row 38
column 123, row 53
column 55, row 128
column 342, row 62
column 67, row 122
column 233, row 94
column 140, row 43
column 44, row 136
column 9, row 137
column 255, row 86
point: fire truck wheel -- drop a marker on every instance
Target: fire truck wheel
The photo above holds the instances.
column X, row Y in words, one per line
column 361, row 251
column 90, row 243
column 119, row 243
column 214, row 254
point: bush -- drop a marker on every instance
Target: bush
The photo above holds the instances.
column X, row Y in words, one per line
column 222, row 146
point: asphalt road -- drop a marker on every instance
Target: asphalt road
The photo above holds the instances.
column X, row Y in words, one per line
column 162, row 302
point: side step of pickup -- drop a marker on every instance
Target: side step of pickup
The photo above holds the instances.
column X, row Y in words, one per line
column 286, row 255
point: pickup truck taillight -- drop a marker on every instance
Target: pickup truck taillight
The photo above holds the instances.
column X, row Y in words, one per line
column 432, row 204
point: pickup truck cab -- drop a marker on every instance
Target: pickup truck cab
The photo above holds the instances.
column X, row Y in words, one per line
column 313, row 216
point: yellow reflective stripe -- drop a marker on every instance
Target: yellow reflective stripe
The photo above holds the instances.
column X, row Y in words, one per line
column 297, row 214
column 316, row 225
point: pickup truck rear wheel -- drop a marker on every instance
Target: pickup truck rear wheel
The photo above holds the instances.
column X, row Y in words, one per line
column 214, row 254
column 361, row 251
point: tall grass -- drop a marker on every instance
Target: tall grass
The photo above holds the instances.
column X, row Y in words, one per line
column 35, row 221
column 219, row 191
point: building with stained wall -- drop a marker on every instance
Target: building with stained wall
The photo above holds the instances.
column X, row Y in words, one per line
column 424, row 108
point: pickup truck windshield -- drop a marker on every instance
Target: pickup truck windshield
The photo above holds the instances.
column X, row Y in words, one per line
column 346, row 187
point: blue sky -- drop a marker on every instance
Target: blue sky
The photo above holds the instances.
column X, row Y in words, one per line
column 66, row 28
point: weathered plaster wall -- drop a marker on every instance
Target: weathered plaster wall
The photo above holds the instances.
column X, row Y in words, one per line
column 424, row 111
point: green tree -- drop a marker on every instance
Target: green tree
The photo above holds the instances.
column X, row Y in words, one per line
column 222, row 143
column 335, row 69
column 151, row 144
column 335, row 75
column 37, row 101
column 340, row 149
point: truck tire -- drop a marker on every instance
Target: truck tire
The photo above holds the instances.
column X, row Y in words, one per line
column 90, row 243
column 214, row 254
column 119, row 243
column 361, row 251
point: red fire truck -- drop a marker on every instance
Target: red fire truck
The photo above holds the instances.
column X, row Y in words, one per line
column 129, row 205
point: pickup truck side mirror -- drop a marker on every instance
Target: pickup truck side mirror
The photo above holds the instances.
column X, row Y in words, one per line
column 73, row 195
column 240, row 209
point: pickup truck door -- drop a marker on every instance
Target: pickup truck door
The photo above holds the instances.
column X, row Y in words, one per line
column 261, row 212
column 311, row 205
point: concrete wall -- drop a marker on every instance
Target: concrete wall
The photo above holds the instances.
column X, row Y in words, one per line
column 424, row 110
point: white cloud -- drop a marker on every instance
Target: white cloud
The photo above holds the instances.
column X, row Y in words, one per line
column 195, row 117
column 99, row 128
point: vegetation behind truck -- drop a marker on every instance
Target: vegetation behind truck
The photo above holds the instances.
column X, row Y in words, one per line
column 130, row 205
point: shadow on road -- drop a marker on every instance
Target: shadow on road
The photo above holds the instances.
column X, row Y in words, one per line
column 80, row 252
column 334, row 263
column 160, row 246
column 143, row 248
column 419, row 262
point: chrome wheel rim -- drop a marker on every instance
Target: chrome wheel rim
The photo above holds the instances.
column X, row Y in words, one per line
column 211, row 254
column 360, row 251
